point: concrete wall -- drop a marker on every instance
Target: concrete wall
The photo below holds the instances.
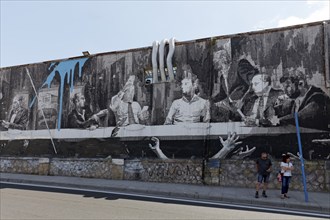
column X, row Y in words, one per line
column 220, row 70
column 216, row 172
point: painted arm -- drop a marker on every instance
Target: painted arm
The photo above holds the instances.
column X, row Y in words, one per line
column 156, row 148
column 115, row 101
column 22, row 122
column 74, row 122
column 170, row 115
column 206, row 112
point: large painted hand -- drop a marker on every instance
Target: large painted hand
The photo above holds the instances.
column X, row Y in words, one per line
column 231, row 142
column 155, row 147
column 227, row 145
column 240, row 154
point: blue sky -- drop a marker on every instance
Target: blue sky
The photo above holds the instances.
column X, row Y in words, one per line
column 37, row 31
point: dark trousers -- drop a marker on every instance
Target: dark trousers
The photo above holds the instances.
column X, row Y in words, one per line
column 285, row 184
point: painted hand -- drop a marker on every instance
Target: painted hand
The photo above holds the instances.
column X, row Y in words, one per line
column 248, row 121
column 155, row 145
column 92, row 127
column 240, row 154
column 228, row 145
column 144, row 115
column 5, row 124
column 231, row 141
column 95, row 118
column 274, row 120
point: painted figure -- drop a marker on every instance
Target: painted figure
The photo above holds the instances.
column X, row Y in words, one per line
column 190, row 108
column 256, row 108
column 81, row 116
column 18, row 116
column 232, row 89
column 310, row 102
column 125, row 109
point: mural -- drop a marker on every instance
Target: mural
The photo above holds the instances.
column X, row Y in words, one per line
column 224, row 97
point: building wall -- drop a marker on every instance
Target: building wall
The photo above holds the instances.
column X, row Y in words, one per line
column 221, row 72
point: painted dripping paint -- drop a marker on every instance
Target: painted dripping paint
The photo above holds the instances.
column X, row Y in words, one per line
column 64, row 69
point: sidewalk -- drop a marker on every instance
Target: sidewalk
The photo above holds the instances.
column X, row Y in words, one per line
column 318, row 202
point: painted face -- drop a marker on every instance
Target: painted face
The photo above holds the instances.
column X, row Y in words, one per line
column 186, row 86
column 16, row 104
column 301, row 84
column 221, row 61
column 81, row 101
column 258, row 85
column 289, row 88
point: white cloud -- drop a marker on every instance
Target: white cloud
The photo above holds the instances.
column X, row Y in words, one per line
column 312, row 2
column 322, row 12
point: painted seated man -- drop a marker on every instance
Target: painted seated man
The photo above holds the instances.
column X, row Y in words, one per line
column 310, row 102
column 233, row 85
column 81, row 116
column 190, row 108
column 18, row 116
column 125, row 109
column 257, row 106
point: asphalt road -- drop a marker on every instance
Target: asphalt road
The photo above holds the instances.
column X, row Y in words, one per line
column 28, row 202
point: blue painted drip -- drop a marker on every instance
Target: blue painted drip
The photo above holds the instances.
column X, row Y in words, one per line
column 51, row 65
column 65, row 68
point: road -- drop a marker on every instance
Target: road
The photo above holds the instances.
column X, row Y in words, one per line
column 26, row 202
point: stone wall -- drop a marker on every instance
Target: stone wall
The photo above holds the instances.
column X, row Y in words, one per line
column 26, row 165
column 169, row 171
column 243, row 174
column 81, row 168
column 240, row 173
column 92, row 168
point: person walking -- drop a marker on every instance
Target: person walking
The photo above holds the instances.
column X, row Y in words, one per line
column 264, row 167
column 286, row 168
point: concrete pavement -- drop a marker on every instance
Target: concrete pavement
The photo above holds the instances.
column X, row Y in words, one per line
column 318, row 202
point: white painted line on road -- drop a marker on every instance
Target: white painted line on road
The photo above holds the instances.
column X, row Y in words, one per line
column 250, row 207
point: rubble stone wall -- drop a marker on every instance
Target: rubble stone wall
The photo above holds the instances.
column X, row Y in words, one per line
column 212, row 172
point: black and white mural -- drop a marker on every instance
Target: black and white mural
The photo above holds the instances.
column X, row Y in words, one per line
column 223, row 97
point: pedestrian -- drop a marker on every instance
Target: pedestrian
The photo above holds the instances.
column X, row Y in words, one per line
column 286, row 168
column 264, row 168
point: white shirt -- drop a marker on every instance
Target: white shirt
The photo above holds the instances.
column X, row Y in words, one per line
column 184, row 111
column 256, row 103
column 12, row 119
column 286, row 172
column 120, row 109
